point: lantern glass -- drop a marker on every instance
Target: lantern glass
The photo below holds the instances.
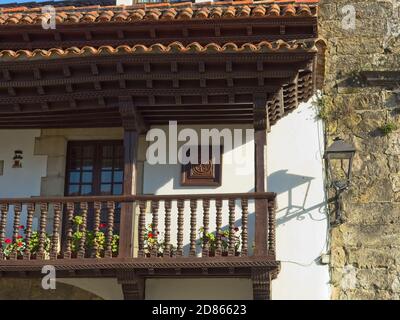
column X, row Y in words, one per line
column 339, row 156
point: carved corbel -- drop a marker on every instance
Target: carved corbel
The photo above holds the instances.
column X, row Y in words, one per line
column 133, row 285
column 261, row 121
column 261, row 278
column 132, row 120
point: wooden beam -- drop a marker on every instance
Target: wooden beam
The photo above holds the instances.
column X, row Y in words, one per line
column 62, row 96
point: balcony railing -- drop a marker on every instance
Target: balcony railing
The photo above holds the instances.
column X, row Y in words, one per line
column 209, row 226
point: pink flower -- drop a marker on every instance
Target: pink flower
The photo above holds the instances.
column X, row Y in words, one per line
column 21, row 227
column 8, row 241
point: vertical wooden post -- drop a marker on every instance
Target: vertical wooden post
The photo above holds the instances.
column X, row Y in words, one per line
column 133, row 125
column 261, row 205
column 127, row 209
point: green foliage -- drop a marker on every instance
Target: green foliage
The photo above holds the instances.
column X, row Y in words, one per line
column 151, row 243
column 388, row 128
column 19, row 246
column 321, row 104
column 91, row 239
column 212, row 239
column 34, row 242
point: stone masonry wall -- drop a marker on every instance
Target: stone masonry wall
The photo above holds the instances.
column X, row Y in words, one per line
column 365, row 250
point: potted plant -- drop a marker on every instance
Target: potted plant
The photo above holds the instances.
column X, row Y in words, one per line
column 19, row 246
column 223, row 235
column 92, row 238
column 159, row 245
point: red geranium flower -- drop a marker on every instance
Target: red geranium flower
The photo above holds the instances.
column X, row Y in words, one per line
column 150, row 235
column 7, row 241
column 21, row 227
column 19, row 237
column 19, row 244
column 102, row 225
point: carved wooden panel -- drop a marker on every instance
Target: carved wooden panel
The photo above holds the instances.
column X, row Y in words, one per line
column 203, row 174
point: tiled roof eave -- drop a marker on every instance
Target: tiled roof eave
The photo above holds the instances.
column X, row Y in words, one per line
column 173, row 48
column 164, row 12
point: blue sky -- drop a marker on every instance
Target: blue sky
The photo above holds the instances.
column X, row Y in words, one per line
column 19, row 1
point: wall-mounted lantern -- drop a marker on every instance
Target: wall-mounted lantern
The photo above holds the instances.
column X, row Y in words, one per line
column 17, row 159
column 339, row 157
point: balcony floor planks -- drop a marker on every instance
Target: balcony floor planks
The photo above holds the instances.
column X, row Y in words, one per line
column 147, row 267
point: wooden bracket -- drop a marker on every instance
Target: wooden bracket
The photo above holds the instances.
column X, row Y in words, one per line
column 261, row 121
column 261, row 278
column 133, row 285
column 132, row 120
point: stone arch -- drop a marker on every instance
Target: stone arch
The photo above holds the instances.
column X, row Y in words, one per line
column 31, row 289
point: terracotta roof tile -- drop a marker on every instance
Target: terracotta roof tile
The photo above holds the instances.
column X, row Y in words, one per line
column 163, row 11
column 261, row 47
column 14, row 9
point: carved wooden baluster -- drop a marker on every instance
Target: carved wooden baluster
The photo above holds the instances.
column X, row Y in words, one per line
column 206, row 222
column 179, row 249
column 218, row 244
column 167, row 237
column 56, row 231
column 142, row 227
column 110, row 229
column 193, row 209
column 245, row 214
column 154, row 227
column 70, row 224
column 82, row 229
column 271, row 227
column 231, row 249
column 16, row 229
column 3, row 223
column 44, row 210
column 28, row 229
column 96, row 228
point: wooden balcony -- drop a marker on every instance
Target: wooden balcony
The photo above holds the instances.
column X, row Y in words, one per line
column 174, row 235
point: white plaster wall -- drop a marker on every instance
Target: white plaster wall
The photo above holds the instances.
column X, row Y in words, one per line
column 295, row 172
column 165, row 178
column 25, row 181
